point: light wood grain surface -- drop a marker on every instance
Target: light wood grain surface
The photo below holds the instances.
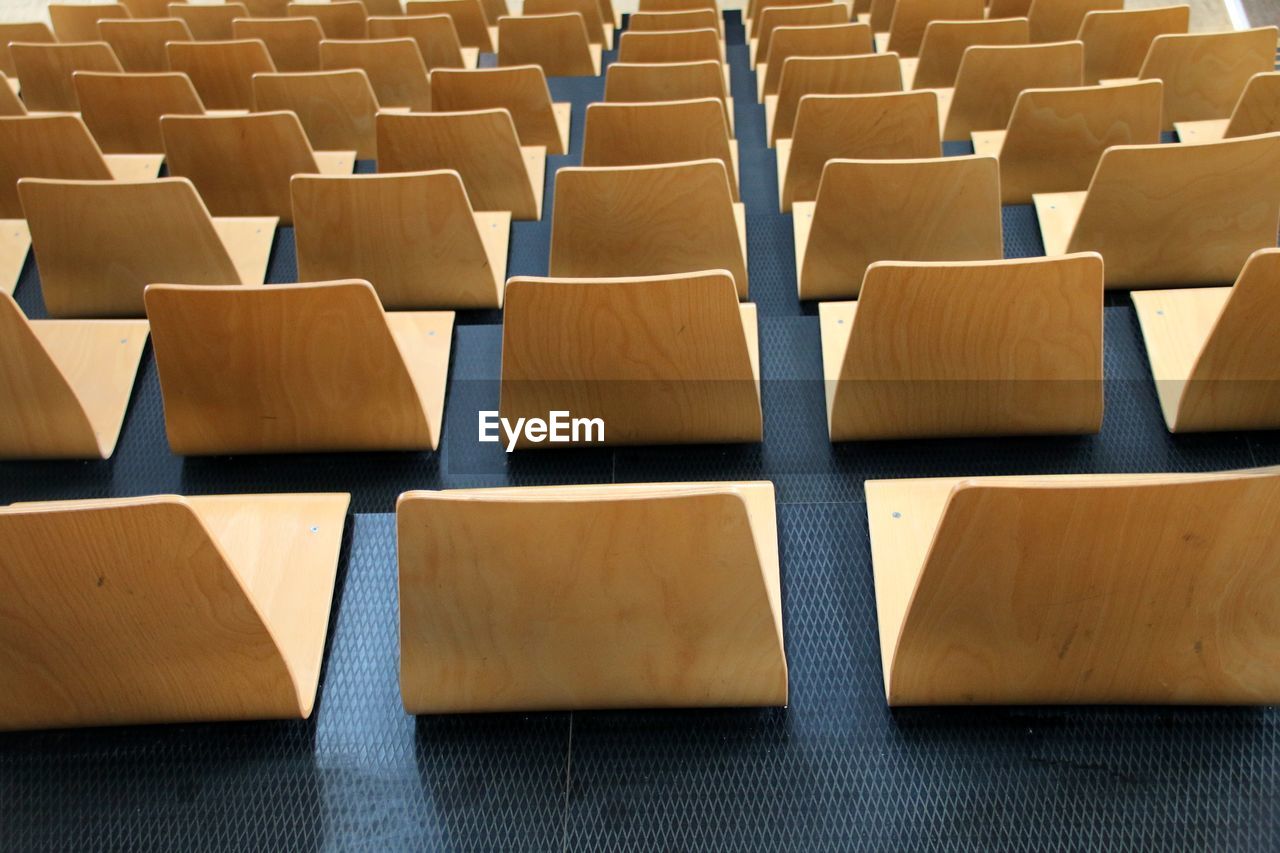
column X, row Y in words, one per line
column 340, row 19
column 808, row 15
column 1116, row 42
column 991, row 78
column 912, row 17
column 473, row 28
column 599, row 32
column 45, row 70
column 787, row 42
column 139, row 44
column 436, row 36
column 338, row 110
column 827, row 75
column 294, row 43
column 209, row 21
column 79, row 22
column 558, row 43
column 1204, row 74
column 394, row 66
column 1060, row 20
column 521, row 90
column 222, row 71
column 123, row 110
column 1258, row 111
column 637, row 82
column 944, row 43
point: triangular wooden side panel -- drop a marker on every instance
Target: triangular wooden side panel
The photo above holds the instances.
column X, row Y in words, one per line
column 622, row 596
column 165, row 609
column 1124, row 589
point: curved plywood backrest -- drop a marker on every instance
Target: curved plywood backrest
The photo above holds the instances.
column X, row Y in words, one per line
column 1116, row 42
column 646, row 220
column 436, row 36
column 950, row 349
column 1259, row 108
column 147, row 8
column 340, row 19
column 45, row 70
column 684, row 19
column 944, row 43
column 943, row 209
column 222, row 71
column 412, row 235
column 10, row 103
column 1204, row 73
column 899, row 125
column 337, row 109
column 520, row 90
column 139, row 43
column 670, row 132
column 1008, row 8
column 294, row 368
column 670, row 46
column 468, row 20
column 47, row 146
column 267, row 8
column 810, row 15
column 1183, row 214
column 394, row 67
column 588, row 9
column 209, row 21
column 123, row 110
column 27, row 32
column 676, row 5
column 1060, row 20
column 688, row 618
column 1057, row 136
column 241, row 164
column 480, row 145
column 830, row 75
column 558, row 43
column 912, row 17
column 832, row 40
column 992, row 77
column 1055, row 590
column 79, row 21
column 639, row 82
column 495, row 9
column 294, row 43
column 99, row 243
column 105, row 624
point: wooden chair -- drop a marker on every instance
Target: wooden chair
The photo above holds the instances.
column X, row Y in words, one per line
column 147, row 8
column 165, row 609
column 520, row 90
column 1092, row 562
column 32, row 32
column 676, row 5
column 1116, row 42
column 967, row 349
column 297, row 368
column 879, row 15
column 99, row 243
column 788, row 42
column 1056, row 136
column 340, row 19
column 209, row 21
column 267, row 8
column 557, row 43
column 1008, row 8
column 644, row 82
column 670, row 46
column 480, row 145
column 64, row 384
column 294, row 43
column 753, row 23
column 944, row 209
column 413, row 235
column 74, row 22
column 45, row 70
column 861, row 74
column 991, row 79
column 702, row 598
column 242, row 164
column 123, row 111
column 669, row 132
column 685, row 370
column 1213, row 350
column 1171, row 215
column 599, row 31
column 647, row 220
column 383, row 8
column 394, row 68
column 812, row 15
column 436, row 37
column 895, row 126
column 1060, row 20
column 338, row 109
column 473, row 28
column 1258, row 111
column 912, row 17
column 495, row 9
column 945, row 42
column 687, row 19
column 10, row 103
column 222, row 71
column 59, row 146
column 139, row 43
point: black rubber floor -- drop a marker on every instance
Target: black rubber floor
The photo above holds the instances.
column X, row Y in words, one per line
column 836, row 769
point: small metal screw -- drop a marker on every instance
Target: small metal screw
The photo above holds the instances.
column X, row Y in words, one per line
column 839, row 322
column 1160, row 312
column 315, row 530
column 897, row 515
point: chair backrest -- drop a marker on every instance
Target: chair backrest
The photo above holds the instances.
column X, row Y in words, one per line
column 147, row 8
column 45, row 70
column 831, row 40
column 28, row 32
column 943, row 209
column 992, row 77
column 340, row 19
column 1205, row 73
column 1116, row 42
column 222, row 71
column 287, row 368
column 646, row 220
column 812, row 15
column 436, row 36
column 10, row 103
column 637, row 82
column 468, row 20
column 294, row 43
column 384, row 8
column 557, row 43
column 686, row 19
column 945, row 42
column 469, row 598
column 520, row 90
column 1258, row 110
column 480, row 145
column 267, row 8
column 862, row 74
column 139, row 42
column 765, row 5
column 588, row 9
column 671, row 132
column 45, row 146
column 1181, row 215
column 99, row 243
column 688, row 374
column 495, row 9
column 967, row 349
column 209, row 21
column 1060, row 20
column 1008, row 8
column 338, row 109
column 123, row 110
column 676, row 5
column 670, row 46
column 894, row 126
column 912, row 17
column 394, row 67
column 412, row 235
column 79, row 21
